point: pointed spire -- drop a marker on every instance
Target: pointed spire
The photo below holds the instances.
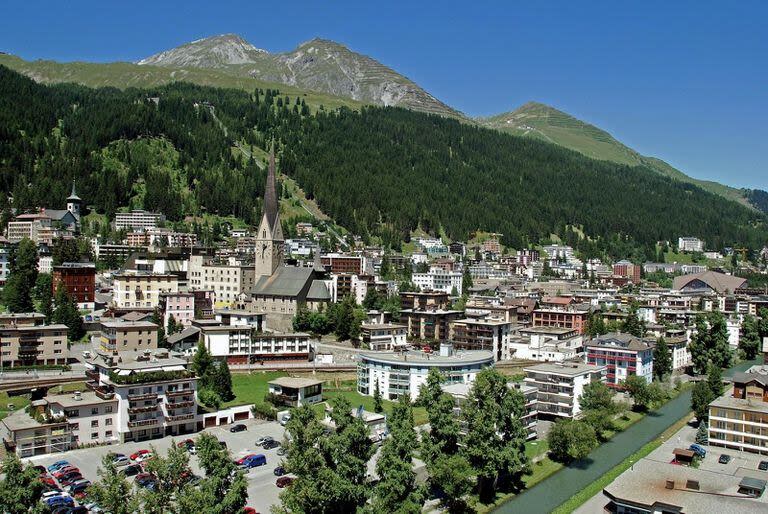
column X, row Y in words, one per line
column 318, row 262
column 270, row 193
column 73, row 195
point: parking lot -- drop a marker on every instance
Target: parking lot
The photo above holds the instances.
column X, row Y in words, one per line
column 262, row 491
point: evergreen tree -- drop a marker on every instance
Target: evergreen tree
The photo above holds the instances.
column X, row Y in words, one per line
column 702, row 434
column 377, row 405
column 633, row 325
column 172, row 327
column 113, row 492
column 662, row 360
column 222, row 381
column 22, row 267
column 701, row 397
column 596, row 324
column 397, row 491
column 710, row 343
column 66, row 313
column 749, row 342
column 202, row 365
column 43, row 295
column 715, row 380
column 495, row 439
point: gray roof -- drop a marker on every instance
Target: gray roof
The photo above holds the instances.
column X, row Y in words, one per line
column 285, row 281
column 318, row 291
column 620, row 341
column 421, row 359
column 720, row 282
column 184, row 334
column 567, row 368
column 295, row 382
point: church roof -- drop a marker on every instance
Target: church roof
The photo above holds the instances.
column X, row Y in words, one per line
column 285, row 281
column 73, row 195
column 318, row 291
column 59, row 214
column 271, row 207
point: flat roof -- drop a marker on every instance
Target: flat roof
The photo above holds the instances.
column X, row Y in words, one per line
column 294, row 382
column 567, row 368
column 381, row 326
column 727, row 401
column 548, row 330
column 645, row 485
column 421, row 358
column 68, row 400
column 126, row 324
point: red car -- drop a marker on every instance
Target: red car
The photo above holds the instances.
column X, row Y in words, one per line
column 284, row 481
column 186, row 443
column 243, row 459
column 249, row 510
column 140, row 453
column 65, row 471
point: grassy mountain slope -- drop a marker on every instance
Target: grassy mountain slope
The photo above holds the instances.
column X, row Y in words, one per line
column 123, row 75
column 543, row 122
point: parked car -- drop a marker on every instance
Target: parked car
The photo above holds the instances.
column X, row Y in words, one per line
column 238, row 428
column 79, row 487
column 262, row 440
column 252, row 461
column 279, row 471
column 139, row 454
column 724, row 459
column 58, row 464
column 80, row 509
column 282, row 451
column 65, row 471
column 94, row 508
column 763, row 466
column 698, row 450
column 249, row 510
column 270, row 444
column 59, row 501
column 52, row 494
column 285, row 419
column 284, row 481
column 70, row 478
column 132, row 470
column 119, row 460
column 186, row 443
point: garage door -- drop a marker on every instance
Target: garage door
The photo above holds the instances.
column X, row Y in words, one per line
column 240, row 416
column 210, row 421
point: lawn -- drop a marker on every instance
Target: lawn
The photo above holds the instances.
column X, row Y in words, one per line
column 347, row 390
column 19, row 403
column 251, row 388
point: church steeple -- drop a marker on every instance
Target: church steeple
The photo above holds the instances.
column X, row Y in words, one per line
column 74, row 202
column 269, row 239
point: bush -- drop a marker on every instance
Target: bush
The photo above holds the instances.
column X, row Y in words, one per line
column 571, row 440
column 264, row 411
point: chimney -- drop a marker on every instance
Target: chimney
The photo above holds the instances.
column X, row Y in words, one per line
column 692, row 484
column 78, row 396
column 446, row 349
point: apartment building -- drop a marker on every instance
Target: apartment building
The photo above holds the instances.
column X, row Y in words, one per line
column 417, row 300
column 137, row 220
column 130, row 336
column 626, row 269
column 142, row 290
column 161, row 237
column 230, row 281
column 484, row 333
column 690, row 244
column 434, row 325
column 26, row 341
column 338, row 263
column 623, row 355
column 438, row 279
column 78, row 279
column 180, row 306
column 156, row 393
column 547, row 344
column 571, row 317
column 739, row 418
column 383, row 336
column 559, row 386
column 243, row 344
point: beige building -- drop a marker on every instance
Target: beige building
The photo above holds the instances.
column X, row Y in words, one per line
column 128, row 336
column 383, row 336
column 142, row 290
column 25, row 341
column 230, row 281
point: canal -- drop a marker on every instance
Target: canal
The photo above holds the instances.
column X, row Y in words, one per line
column 558, row 488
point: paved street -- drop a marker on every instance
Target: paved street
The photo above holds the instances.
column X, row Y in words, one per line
column 262, row 491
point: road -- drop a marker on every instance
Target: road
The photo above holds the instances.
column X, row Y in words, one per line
column 555, row 490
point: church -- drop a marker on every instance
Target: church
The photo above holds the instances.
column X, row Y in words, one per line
column 279, row 290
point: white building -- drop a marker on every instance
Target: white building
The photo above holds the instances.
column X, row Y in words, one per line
column 559, row 386
column 383, row 336
column 690, row 244
column 399, row 373
column 230, row 281
column 142, row 290
column 301, row 247
column 438, row 280
column 294, row 392
column 547, row 344
column 4, row 267
column 156, row 394
column 45, row 264
column 137, row 220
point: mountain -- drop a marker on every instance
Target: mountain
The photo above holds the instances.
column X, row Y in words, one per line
column 319, row 65
column 380, row 172
column 546, row 123
column 211, row 52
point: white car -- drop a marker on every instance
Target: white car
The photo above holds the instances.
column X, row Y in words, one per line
column 121, row 460
column 51, row 494
column 94, row 508
column 261, row 440
column 144, row 456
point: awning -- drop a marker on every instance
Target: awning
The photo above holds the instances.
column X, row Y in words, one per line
column 177, row 367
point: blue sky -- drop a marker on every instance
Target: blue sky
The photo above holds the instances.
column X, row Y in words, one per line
column 686, row 81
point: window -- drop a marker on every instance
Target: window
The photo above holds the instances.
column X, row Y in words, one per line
column 94, row 423
column 108, row 433
column 94, row 435
column 94, row 411
column 108, row 409
column 108, row 422
column 74, row 426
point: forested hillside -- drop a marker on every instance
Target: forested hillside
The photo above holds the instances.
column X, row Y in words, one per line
column 381, row 172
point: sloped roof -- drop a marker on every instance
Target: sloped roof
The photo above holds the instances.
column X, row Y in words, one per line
column 184, row 334
column 285, row 281
column 720, row 282
column 621, row 340
column 318, row 291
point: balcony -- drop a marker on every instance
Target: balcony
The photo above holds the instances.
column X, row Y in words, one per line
column 142, row 423
column 104, row 393
column 92, row 374
column 180, row 405
column 142, row 396
column 180, row 417
column 178, row 392
column 139, row 410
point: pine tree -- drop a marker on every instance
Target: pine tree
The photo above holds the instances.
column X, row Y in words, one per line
column 202, row 365
column 377, row 404
column 701, row 397
column 662, row 360
column 715, row 380
column 633, row 325
column 749, row 342
column 222, row 381
column 66, row 313
column 702, row 434
column 22, row 266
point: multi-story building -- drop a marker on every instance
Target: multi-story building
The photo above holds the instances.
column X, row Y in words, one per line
column 161, row 237
column 403, row 373
column 179, row 305
column 301, row 247
column 338, row 263
column 739, row 418
column 137, row 220
column 383, row 336
column 626, row 269
column 415, row 300
column 526, row 257
column 142, row 291
column 547, row 344
column 484, row 333
column 156, row 393
column 572, row 317
column 115, row 253
column 130, row 336
column 231, row 281
column 434, row 325
column 26, row 341
column 559, row 386
column 244, row 344
column 4, row 264
column 439, row 279
column 491, row 245
column 623, row 355
column 690, row 244
column 78, row 279
column 295, row 392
